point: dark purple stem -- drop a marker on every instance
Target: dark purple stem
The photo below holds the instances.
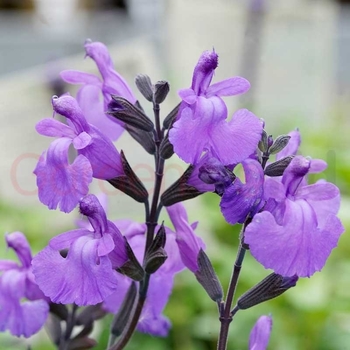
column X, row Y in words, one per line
column 151, row 222
column 226, row 315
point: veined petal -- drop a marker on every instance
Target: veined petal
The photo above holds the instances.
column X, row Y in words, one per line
column 92, row 106
column 317, row 192
column 298, row 247
column 66, row 239
column 54, row 128
column 80, row 278
column 235, row 141
column 228, row 87
column 60, row 183
column 77, row 77
column 241, row 199
column 181, row 136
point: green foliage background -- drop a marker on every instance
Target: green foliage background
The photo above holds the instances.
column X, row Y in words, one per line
column 314, row 315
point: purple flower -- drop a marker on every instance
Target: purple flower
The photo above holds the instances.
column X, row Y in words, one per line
column 64, row 184
column 189, row 244
column 89, row 94
column 85, row 274
column 298, row 228
column 23, row 307
column 161, row 283
column 241, row 199
column 260, row 334
column 201, row 124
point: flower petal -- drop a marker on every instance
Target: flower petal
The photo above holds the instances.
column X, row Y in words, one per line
column 235, row 141
column 228, row 87
column 260, row 334
column 88, row 98
column 298, row 247
column 79, row 278
column 54, row 128
column 241, row 199
column 152, row 321
column 77, row 77
column 60, row 183
column 189, row 244
column 18, row 242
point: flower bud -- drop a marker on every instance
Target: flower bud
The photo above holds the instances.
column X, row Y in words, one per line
column 263, row 146
column 270, row 287
column 156, row 255
column 277, row 168
column 161, row 90
column 206, row 276
column 166, row 149
column 126, row 112
column 144, row 84
column 279, row 144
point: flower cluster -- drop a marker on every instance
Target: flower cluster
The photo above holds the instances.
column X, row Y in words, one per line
column 127, row 268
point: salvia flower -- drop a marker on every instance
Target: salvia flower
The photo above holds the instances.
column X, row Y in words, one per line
column 240, row 199
column 23, row 306
column 189, row 244
column 203, row 113
column 64, row 184
column 78, row 266
column 152, row 320
column 260, row 333
column 89, row 94
column 298, row 228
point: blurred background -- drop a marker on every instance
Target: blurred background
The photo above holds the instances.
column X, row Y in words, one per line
column 296, row 55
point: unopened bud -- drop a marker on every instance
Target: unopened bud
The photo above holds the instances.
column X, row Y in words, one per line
column 206, row 276
column 156, row 255
column 277, row 168
column 279, row 144
column 180, row 191
column 270, row 287
column 166, row 149
column 161, row 90
column 263, row 146
column 144, row 84
column 125, row 111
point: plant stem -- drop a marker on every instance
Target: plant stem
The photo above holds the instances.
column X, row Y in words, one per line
column 226, row 315
column 151, row 218
column 70, row 323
